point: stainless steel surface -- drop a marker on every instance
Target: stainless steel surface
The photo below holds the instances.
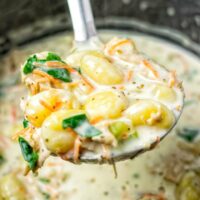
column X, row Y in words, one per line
column 82, row 19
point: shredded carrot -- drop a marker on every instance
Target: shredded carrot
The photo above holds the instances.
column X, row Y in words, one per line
column 33, row 89
column 26, row 170
column 42, row 80
column 106, row 152
column 19, row 133
column 172, row 79
column 113, row 47
column 46, row 105
column 57, row 105
column 53, row 164
column 150, row 67
column 88, row 83
column 129, row 75
column 96, row 120
column 72, row 132
column 60, row 65
column 31, row 118
column 41, row 73
column 77, row 147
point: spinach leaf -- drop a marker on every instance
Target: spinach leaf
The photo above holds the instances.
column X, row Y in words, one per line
column 29, row 155
column 25, row 123
column 2, row 160
column 81, row 125
column 45, row 180
column 45, row 195
column 59, row 73
column 188, row 134
column 52, row 56
column 29, row 67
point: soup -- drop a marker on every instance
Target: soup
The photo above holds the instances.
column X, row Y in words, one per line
column 161, row 173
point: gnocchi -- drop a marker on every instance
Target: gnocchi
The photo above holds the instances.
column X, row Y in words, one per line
column 151, row 113
column 57, row 139
column 105, row 105
column 163, row 93
column 41, row 105
column 100, row 69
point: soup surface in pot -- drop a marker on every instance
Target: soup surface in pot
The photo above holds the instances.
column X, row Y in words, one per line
column 168, row 172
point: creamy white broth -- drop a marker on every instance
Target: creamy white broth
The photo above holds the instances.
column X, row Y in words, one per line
column 93, row 181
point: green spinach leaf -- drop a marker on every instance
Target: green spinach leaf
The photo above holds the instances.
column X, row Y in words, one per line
column 25, row 123
column 81, row 125
column 2, row 160
column 29, row 67
column 52, row 56
column 188, row 134
column 59, row 73
column 29, row 155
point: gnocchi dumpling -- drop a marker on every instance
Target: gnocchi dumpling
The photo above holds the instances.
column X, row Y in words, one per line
column 98, row 68
column 57, row 139
column 163, row 93
column 11, row 188
column 105, row 105
column 150, row 113
column 41, row 105
column 74, row 59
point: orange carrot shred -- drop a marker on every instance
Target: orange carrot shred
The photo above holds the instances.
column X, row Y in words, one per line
column 96, row 120
column 150, row 67
column 60, row 65
column 41, row 73
column 57, row 105
column 172, row 79
column 88, row 83
column 46, row 105
column 122, row 42
column 77, row 147
column 129, row 75
column 19, row 133
column 106, row 152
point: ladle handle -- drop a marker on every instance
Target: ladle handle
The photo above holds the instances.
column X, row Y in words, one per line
column 82, row 19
